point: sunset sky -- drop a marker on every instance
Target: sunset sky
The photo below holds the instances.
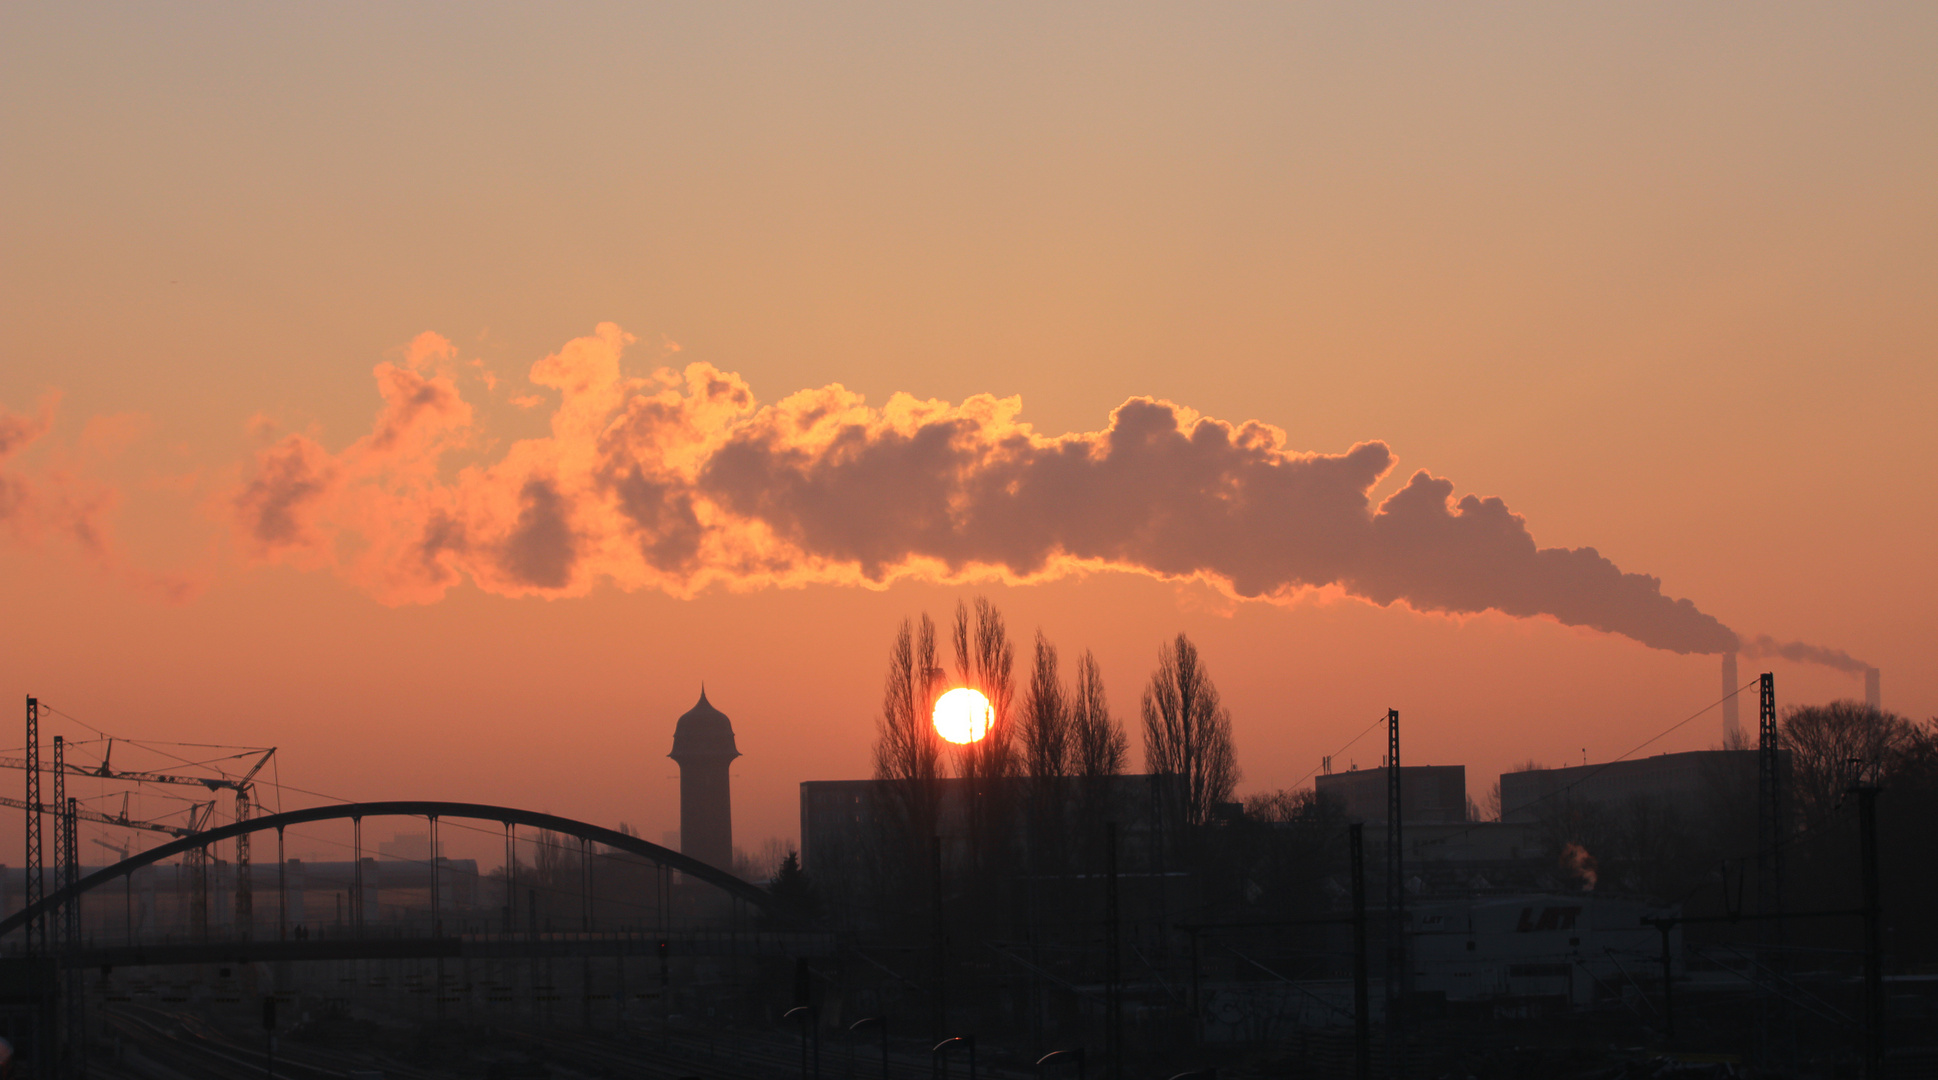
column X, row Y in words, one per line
column 440, row 393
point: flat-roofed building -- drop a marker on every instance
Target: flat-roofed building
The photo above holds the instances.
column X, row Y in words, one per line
column 839, row 818
column 1428, row 793
column 1686, row 779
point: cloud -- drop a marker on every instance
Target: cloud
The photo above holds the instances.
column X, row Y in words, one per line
column 683, row 481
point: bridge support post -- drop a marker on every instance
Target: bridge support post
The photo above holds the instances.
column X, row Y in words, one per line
column 282, row 889
column 585, row 885
column 437, row 864
column 356, row 875
column 511, row 877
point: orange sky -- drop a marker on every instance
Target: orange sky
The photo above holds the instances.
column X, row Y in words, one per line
column 1658, row 278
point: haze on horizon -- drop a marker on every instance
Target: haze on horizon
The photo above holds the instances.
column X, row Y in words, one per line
column 1650, row 283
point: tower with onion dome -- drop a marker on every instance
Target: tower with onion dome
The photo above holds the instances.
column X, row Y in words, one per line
column 704, row 748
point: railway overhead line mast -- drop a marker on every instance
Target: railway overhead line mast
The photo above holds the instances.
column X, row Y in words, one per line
column 200, row 814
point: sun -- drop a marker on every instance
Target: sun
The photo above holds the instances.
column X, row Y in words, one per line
column 962, row 715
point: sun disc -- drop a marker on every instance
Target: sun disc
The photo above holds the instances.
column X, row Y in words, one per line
column 962, row 715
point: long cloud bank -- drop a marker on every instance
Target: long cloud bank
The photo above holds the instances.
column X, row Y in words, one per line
column 681, row 481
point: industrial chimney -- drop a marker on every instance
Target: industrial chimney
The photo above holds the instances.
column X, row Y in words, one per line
column 704, row 747
column 1873, row 693
column 1732, row 718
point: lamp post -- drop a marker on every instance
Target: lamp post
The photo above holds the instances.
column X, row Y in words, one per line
column 940, row 1055
column 808, row 1030
column 1866, row 789
column 1060, row 1056
column 881, row 1024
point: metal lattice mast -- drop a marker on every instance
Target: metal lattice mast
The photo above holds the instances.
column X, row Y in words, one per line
column 1771, row 834
column 59, row 806
column 197, row 862
column 36, row 886
column 63, row 1032
column 1770, row 826
column 74, row 1047
column 1395, row 888
column 245, row 894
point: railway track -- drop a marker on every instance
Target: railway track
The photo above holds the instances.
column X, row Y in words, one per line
column 192, row 1047
column 186, row 1044
column 735, row 1055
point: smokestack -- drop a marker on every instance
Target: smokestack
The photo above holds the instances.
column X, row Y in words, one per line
column 1732, row 718
column 1873, row 693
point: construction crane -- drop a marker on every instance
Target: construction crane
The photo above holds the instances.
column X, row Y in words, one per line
column 105, row 771
column 243, row 786
column 245, row 892
column 198, row 817
column 121, row 851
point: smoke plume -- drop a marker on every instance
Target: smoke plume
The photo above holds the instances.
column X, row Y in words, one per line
column 1765, row 646
column 51, row 492
column 48, row 499
column 682, row 480
column 1580, row 865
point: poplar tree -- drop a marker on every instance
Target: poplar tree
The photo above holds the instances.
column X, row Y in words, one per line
column 1187, row 730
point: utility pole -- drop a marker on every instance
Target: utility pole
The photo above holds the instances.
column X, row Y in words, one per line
column 940, row 944
column 1668, row 982
column 1771, row 835
column 245, row 893
column 75, row 1050
column 1396, row 979
column 1873, row 932
column 62, row 1052
column 36, row 889
column 1362, row 1023
column 1113, row 992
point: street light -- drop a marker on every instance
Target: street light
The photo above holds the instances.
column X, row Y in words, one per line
column 1061, row 1056
column 806, row 1013
column 939, row 1053
column 881, row 1023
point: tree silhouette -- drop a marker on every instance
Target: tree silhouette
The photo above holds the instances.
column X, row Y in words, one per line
column 1827, row 743
column 1046, row 733
column 1098, row 745
column 794, row 889
column 908, row 752
column 985, row 661
column 1187, row 731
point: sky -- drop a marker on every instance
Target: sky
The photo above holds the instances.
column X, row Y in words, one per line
column 440, row 393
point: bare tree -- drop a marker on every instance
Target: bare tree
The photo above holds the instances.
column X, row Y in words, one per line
column 1827, row 743
column 1099, row 746
column 908, row 752
column 1046, row 718
column 1187, row 731
column 986, row 661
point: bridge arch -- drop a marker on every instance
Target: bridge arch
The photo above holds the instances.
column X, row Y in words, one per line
column 505, row 815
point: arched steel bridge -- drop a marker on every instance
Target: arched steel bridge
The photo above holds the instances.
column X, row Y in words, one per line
column 504, row 815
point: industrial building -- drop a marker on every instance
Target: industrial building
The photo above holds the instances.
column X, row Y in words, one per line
column 1685, row 780
column 1434, row 794
column 839, row 818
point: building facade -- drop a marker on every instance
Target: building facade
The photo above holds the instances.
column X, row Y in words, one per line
column 1686, row 780
column 1429, row 794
